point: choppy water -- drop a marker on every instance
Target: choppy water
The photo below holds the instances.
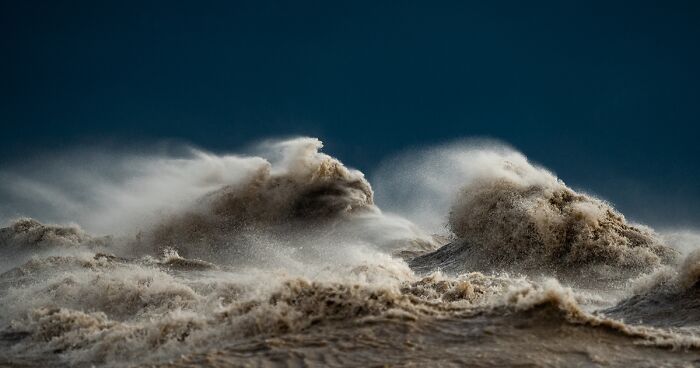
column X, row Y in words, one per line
column 285, row 259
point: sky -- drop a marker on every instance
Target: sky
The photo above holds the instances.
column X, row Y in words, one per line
column 604, row 93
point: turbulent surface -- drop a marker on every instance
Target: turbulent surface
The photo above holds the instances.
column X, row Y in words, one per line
column 29, row 233
column 291, row 263
column 526, row 220
column 667, row 297
column 310, row 187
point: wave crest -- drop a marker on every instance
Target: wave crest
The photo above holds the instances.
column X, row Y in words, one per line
column 309, row 186
column 26, row 232
column 521, row 218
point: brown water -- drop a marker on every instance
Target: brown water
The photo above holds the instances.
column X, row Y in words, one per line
column 293, row 264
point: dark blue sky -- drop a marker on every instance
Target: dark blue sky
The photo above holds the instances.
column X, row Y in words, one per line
column 605, row 93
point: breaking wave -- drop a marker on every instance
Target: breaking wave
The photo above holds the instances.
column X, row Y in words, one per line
column 659, row 297
column 286, row 255
column 517, row 217
column 308, row 188
column 29, row 233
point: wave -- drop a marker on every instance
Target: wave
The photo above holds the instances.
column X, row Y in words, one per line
column 517, row 217
column 150, row 315
column 308, row 187
column 551, row 302
column 658, row 298
column 26, row 233
column 116, row 310
column 293, row 246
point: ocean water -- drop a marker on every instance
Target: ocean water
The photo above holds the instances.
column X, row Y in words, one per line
column 466, row 255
